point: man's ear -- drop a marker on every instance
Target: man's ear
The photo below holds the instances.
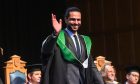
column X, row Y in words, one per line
column 127, row 76
column 29, row 76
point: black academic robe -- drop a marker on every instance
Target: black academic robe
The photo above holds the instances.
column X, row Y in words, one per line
column 57, row 70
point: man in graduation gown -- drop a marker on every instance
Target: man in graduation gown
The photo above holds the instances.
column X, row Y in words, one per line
column 66, row 59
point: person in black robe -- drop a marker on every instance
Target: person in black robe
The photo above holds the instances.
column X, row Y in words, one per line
column 66, row 54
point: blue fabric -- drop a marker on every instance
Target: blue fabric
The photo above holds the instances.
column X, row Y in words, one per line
column 17, row 77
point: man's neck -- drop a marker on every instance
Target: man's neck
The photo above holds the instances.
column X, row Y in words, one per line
column 74, row 32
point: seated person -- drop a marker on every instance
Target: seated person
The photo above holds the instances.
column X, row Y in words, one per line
column 109, row 74
column 132, row 75
column 34, row 74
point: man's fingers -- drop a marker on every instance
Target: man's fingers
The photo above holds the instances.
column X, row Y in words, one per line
column 53, row 16
column 60, row 21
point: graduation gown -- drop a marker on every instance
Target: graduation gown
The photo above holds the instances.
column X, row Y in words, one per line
column 61, row 69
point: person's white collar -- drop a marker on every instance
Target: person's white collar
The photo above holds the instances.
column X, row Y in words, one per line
column 70, row 32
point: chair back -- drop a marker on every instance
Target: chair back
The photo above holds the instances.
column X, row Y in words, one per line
column 100, row 62
column 15, row 72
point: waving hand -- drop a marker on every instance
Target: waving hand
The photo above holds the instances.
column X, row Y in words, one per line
column 57, row 25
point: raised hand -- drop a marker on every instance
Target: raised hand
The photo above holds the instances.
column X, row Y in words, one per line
column 57, row 25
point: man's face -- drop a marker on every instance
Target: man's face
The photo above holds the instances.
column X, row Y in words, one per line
column 35, row 77
column 73, row 21
column 133, row 77
column 110, row 73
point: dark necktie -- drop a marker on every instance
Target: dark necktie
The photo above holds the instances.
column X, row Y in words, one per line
column 77, row 46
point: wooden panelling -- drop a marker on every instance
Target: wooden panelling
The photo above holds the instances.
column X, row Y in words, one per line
column 136, row 13
column 136, row 57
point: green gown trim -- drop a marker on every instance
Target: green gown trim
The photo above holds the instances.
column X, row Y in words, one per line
column 67, row 53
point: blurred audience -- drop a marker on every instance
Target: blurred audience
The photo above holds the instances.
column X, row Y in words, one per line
column 132, row 74
column 109, row 74
column 34, row 74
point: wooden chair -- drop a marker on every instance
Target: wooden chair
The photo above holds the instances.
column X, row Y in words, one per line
column 15, row 72
column 100, row 62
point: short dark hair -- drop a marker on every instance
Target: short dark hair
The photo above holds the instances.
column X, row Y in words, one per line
column 70, row 9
